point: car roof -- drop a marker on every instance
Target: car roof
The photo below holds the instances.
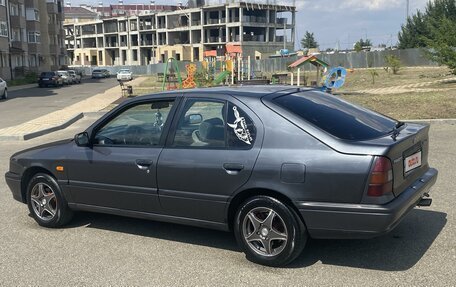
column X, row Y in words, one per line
column 252, row 91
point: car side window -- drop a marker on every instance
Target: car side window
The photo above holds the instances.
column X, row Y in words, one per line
column 241, row 129
column 201, row 124
column 140, row 125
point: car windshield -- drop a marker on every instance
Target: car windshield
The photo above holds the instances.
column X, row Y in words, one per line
column 47, row 74
column 337, row 117
column 71, row 72
column 96, row 71
column 124, row 71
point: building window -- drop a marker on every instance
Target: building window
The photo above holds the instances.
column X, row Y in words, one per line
column 32, row 15
column 32, row 61
column 3, row 29
column 14, row 10
column 34, row 37
column 16, row 35
column 2, row 2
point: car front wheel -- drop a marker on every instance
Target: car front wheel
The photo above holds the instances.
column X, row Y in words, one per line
column 5, row 94
column 46, row 202
column 269, row 232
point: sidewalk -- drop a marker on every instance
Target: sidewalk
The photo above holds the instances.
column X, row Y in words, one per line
column 62, row 118
column 21, row 87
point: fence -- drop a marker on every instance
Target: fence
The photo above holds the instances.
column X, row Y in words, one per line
column 136, row 70
column 409, row 58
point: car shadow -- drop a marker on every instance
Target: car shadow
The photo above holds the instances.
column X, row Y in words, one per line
column 398, row 250
column 155, row 229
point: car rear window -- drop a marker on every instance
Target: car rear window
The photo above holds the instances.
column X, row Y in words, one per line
column 47, row 74
column 337, row 117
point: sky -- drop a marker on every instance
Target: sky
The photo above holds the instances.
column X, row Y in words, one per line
column 334, row 23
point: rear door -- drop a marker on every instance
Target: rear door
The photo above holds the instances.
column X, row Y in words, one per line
column 209, row 155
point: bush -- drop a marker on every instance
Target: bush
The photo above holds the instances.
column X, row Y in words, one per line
column 393, row 63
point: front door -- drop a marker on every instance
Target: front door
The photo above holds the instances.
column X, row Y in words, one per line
column 119, row 170
column 210, row 154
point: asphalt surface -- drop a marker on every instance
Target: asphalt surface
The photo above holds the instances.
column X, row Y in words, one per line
column 103, row 250
column 28, row 104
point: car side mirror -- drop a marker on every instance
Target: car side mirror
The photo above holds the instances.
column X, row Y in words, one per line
column 82, row 139
column 195, row 119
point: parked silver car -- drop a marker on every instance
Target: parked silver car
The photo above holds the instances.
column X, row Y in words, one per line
column 65, row 77
column 3, row 89
column 75, row 77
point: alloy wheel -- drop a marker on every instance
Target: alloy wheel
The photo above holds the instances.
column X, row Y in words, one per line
column 265, row 231
column 44, row 201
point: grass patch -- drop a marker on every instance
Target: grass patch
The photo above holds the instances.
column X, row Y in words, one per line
column 362, row 79
column 426, row 105
column 30, row 78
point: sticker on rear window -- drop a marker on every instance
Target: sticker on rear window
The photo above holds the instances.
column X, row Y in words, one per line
column 240, row 127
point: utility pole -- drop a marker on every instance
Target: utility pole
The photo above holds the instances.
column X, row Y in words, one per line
column 408, row 8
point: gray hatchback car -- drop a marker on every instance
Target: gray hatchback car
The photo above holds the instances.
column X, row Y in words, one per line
column 274, row 164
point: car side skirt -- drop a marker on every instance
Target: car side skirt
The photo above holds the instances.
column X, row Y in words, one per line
column 150, row 216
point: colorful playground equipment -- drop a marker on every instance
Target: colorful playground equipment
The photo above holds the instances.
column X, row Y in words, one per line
column 334, row 79
column 170, row 74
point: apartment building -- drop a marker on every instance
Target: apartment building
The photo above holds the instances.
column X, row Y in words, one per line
column 190, row 33
column 31, row 36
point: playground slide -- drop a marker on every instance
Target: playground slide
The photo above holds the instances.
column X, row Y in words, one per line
column 221, row 77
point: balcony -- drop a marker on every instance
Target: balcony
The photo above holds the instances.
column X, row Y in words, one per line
column 146, row 43
column 254, row 19
column 111, row 44
column 145, row 27
column 282, row 21
column 253, row 38
column 196, row 22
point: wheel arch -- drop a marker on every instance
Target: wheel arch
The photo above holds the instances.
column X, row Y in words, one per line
column 240, row 197
column 28, row 174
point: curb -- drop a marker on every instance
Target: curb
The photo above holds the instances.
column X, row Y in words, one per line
column 28, row 136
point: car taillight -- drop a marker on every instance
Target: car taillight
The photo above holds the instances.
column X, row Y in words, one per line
column 54, row 78
column 381, row 179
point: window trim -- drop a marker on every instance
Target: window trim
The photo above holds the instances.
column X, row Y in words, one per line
column 93, row 130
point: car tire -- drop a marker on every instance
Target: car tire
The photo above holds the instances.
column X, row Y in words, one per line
column 5, row 94
column 261, row 218
column 46, row 202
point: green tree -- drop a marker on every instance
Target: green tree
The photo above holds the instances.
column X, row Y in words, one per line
column 362, row 44
column 442, row 42
column 393, row 63
column 421, row 26
column 309, row 42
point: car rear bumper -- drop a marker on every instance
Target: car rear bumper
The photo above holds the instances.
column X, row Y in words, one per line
column 339, row 220
column 13, row 181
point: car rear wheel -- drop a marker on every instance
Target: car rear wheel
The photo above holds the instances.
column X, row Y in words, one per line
column 46, row 202
column 269, row 232
column 5, row 94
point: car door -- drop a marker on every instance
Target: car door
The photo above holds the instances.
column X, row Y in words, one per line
column 119, row 169
column 204, row 162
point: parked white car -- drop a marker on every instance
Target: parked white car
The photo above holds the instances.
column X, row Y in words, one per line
column 76, row 77
column 124, row 75
column 65, row 77
column 3, row 89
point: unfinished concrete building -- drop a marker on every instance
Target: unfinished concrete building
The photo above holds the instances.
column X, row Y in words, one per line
column 190, row 33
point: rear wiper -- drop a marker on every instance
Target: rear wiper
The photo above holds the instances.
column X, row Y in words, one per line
column 395, row 132
column 399, row 124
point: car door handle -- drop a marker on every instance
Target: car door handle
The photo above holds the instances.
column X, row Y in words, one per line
column 144, row 164
column 233, row 168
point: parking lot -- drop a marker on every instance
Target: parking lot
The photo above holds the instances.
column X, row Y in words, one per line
column 27, row 104
column 108, row 250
